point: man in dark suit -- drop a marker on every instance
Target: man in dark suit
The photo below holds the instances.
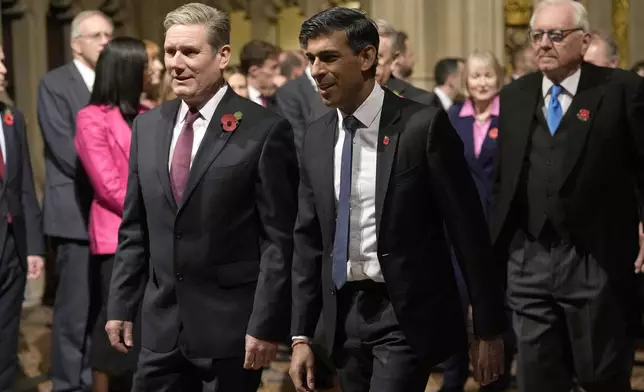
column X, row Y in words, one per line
column 566, row 212
column 381, row 177
column 67, row 197
column 21, row 239
column 385, row 61
column 206, row 238
column 300, row 103
column 259, row 61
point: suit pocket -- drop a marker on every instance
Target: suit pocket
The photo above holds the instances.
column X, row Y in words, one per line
column 406, row 176
column 237, row 274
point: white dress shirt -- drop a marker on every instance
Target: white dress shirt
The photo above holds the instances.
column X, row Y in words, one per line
column 363, row 243
column 254, row 95
column 445, row 100
column 86, row 73
column 200, row 125
column 3, row 145
column 568, row 91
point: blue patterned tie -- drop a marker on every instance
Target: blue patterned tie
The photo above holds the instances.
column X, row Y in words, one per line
column 341, row 240
column 555, row 112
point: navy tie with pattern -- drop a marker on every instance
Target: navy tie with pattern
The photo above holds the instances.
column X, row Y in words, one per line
column 341, row 240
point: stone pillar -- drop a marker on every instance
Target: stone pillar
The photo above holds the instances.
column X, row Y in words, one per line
column 443, row 28
column 517, row 24
column 263, row 16
column 636, row 32
column 600, row 14
column 620, row 30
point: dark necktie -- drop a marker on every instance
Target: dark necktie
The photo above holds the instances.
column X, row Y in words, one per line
column 341, row 240
column 264, row 100
column 2, row 176
column 180, row 165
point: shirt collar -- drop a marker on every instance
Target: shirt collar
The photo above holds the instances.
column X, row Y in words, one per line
column 468, row 108
column 445, row 100
column 207, row 110
column 570, row 84
column 370, row 108
column 254, row 94
column 86, row 73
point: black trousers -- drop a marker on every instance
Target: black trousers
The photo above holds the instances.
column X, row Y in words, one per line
column 371, row 353
column 570, row 325
column 13, row 278
column 174, row 372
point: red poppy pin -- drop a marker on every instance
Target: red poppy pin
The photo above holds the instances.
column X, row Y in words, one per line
column 385, row 140
column 583, row 114
column 494, row 133
column 230, row 122
column 7, row 117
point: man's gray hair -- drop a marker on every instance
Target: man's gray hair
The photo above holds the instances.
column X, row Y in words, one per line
column 83, row 16
column 385, row 29
column 215, row 21
column 612, row 48
column 580, row 15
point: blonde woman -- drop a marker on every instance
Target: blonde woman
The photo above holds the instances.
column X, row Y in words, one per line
column 476, row 121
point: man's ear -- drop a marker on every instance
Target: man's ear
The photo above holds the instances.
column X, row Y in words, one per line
column 368, row 57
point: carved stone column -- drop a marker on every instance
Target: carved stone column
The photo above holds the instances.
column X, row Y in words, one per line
column 620, row 30
column 517, row 23
column 263, row 17
column 636, row 32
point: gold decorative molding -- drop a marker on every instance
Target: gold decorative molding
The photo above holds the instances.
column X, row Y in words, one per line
column 517, row 12
column 620, row 29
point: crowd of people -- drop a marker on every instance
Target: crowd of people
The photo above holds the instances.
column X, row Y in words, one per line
column 207, row 217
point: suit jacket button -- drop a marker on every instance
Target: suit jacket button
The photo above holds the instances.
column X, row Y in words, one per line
column 178, row 235
column 332, row 291
column 179, row 277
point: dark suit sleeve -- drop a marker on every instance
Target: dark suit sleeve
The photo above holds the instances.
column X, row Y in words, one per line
column 307, row 262
column 635, row 108
column 54, row 118
column 290, row 105
column 130, row 270
column 30, row 207
column 465, row 222
column 276, row 193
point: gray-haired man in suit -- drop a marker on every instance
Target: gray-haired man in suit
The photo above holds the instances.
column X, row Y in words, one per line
column 61, row 94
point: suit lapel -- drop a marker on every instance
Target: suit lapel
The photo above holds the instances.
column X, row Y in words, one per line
column 78, row 84
column 324, row 166
column 11, row 149
column 396, row 86
column 520, row 117
column 166, row 125
column 588, row 97
column 388, row 136
column 213, row 141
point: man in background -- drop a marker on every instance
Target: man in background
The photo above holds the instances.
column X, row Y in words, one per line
column 523, row 62
column 384, row 75
column 67, row 197
column 403, row 65
column 259, row 61
column 448, row 74
column 603, row 50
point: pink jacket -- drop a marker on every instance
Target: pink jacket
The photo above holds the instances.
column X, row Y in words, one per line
column 103, row 145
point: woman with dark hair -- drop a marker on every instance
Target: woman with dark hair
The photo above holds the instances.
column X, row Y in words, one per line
column 103, row 131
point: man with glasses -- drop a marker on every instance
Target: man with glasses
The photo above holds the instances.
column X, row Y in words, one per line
column 61, row 94
column 566, row 216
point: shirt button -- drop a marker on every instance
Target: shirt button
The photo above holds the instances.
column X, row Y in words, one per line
column 179, row 277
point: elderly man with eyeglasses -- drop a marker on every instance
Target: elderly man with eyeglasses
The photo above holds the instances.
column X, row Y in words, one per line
column 566, row 217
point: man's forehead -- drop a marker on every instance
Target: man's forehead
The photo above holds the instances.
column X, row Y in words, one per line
column 332, row 41
column 96, row 23
column 554, row 16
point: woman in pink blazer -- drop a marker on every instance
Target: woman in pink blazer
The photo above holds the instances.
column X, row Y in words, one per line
column 103, row 131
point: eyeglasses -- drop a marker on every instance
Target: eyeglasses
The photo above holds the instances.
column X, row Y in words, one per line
column 555, row 36
column 97, row 36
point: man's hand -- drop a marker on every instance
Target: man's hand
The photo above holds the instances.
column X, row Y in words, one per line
column 302, row 369
column 487, row 360
column 120, row 334
column 35, row 265
column 639, row 262
column 259, row 353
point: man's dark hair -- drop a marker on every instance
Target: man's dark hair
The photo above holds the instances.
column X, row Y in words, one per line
column 289, row 63
column 399, row 43
column 638, row 66
column 361, row 31
column 119, row 76
column 256, row 52
column 444, row 68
